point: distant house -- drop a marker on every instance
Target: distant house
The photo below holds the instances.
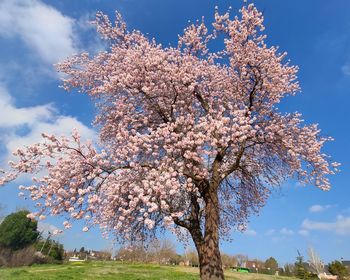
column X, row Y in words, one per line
column 99, row 255
column 85, row 255
column 254, row 265
column 75, row 259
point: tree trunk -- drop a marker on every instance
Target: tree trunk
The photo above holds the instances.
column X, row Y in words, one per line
column 210, row 261
column 208, row 249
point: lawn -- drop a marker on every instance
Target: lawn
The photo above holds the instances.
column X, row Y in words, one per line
column 117, row 270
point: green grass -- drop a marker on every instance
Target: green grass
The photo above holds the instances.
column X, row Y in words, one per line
column 117, row 270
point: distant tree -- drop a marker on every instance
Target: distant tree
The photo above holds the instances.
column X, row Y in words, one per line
column 228, row 260
column 132, row 253
column 176, row 259
column 339, row 269
column 104, row 255
column 83, row 254
column 271, row 264
column 162, row 251
column 301, row 270
column 51, row 248
column 299, row 266
column 315, row 262
column 241, row 259
column 17, row 231
column 288, row 269
column 192, row 257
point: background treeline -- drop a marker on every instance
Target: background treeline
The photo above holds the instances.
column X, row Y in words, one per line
column 84, row 254
column 164, row 252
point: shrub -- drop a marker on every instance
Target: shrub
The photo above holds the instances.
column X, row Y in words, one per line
column 22, row 257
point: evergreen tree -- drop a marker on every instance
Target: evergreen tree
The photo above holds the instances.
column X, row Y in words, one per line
column 300, row 270
column 17, row 231
column 339, row 269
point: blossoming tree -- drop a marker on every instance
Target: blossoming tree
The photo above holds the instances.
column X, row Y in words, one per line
column 189, row 138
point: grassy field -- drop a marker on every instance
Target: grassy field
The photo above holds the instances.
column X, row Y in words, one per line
column 116, row 270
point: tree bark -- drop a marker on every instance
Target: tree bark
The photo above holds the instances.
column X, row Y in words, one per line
column 208, row 247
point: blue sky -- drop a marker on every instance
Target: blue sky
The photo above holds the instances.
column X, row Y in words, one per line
column 316, row 34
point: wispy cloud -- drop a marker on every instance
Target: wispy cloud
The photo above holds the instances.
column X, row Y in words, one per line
column 247, row 231
column 46, row 229
column 277, row 234
column 286, row 231
column 250, row 232
column 340, row 226
column 41, row 27
column 282, row 235
column 303, row 232
column 346, row 69
column 319, row 208
column 270, row 232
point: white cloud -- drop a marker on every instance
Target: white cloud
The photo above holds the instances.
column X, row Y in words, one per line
column 340, row 226
column 41, row 27
column 250, row 232
column 286, row 231
column 33, row 120
column 10, row 116
column 319, row 208
column 58, row 125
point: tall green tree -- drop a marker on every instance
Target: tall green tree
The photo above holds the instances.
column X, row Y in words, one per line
column 17, row 231
column 300, row 269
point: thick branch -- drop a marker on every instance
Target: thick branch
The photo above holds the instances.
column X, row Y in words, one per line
column 156, row 106
column 201, row 100
column 234, row 166
column 221, row 154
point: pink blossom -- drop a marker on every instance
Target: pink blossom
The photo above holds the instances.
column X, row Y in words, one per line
column 31, row 216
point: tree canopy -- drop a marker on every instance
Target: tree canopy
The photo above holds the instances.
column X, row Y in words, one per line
column 17, row 231
column 271, row 263
column 190, row 138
